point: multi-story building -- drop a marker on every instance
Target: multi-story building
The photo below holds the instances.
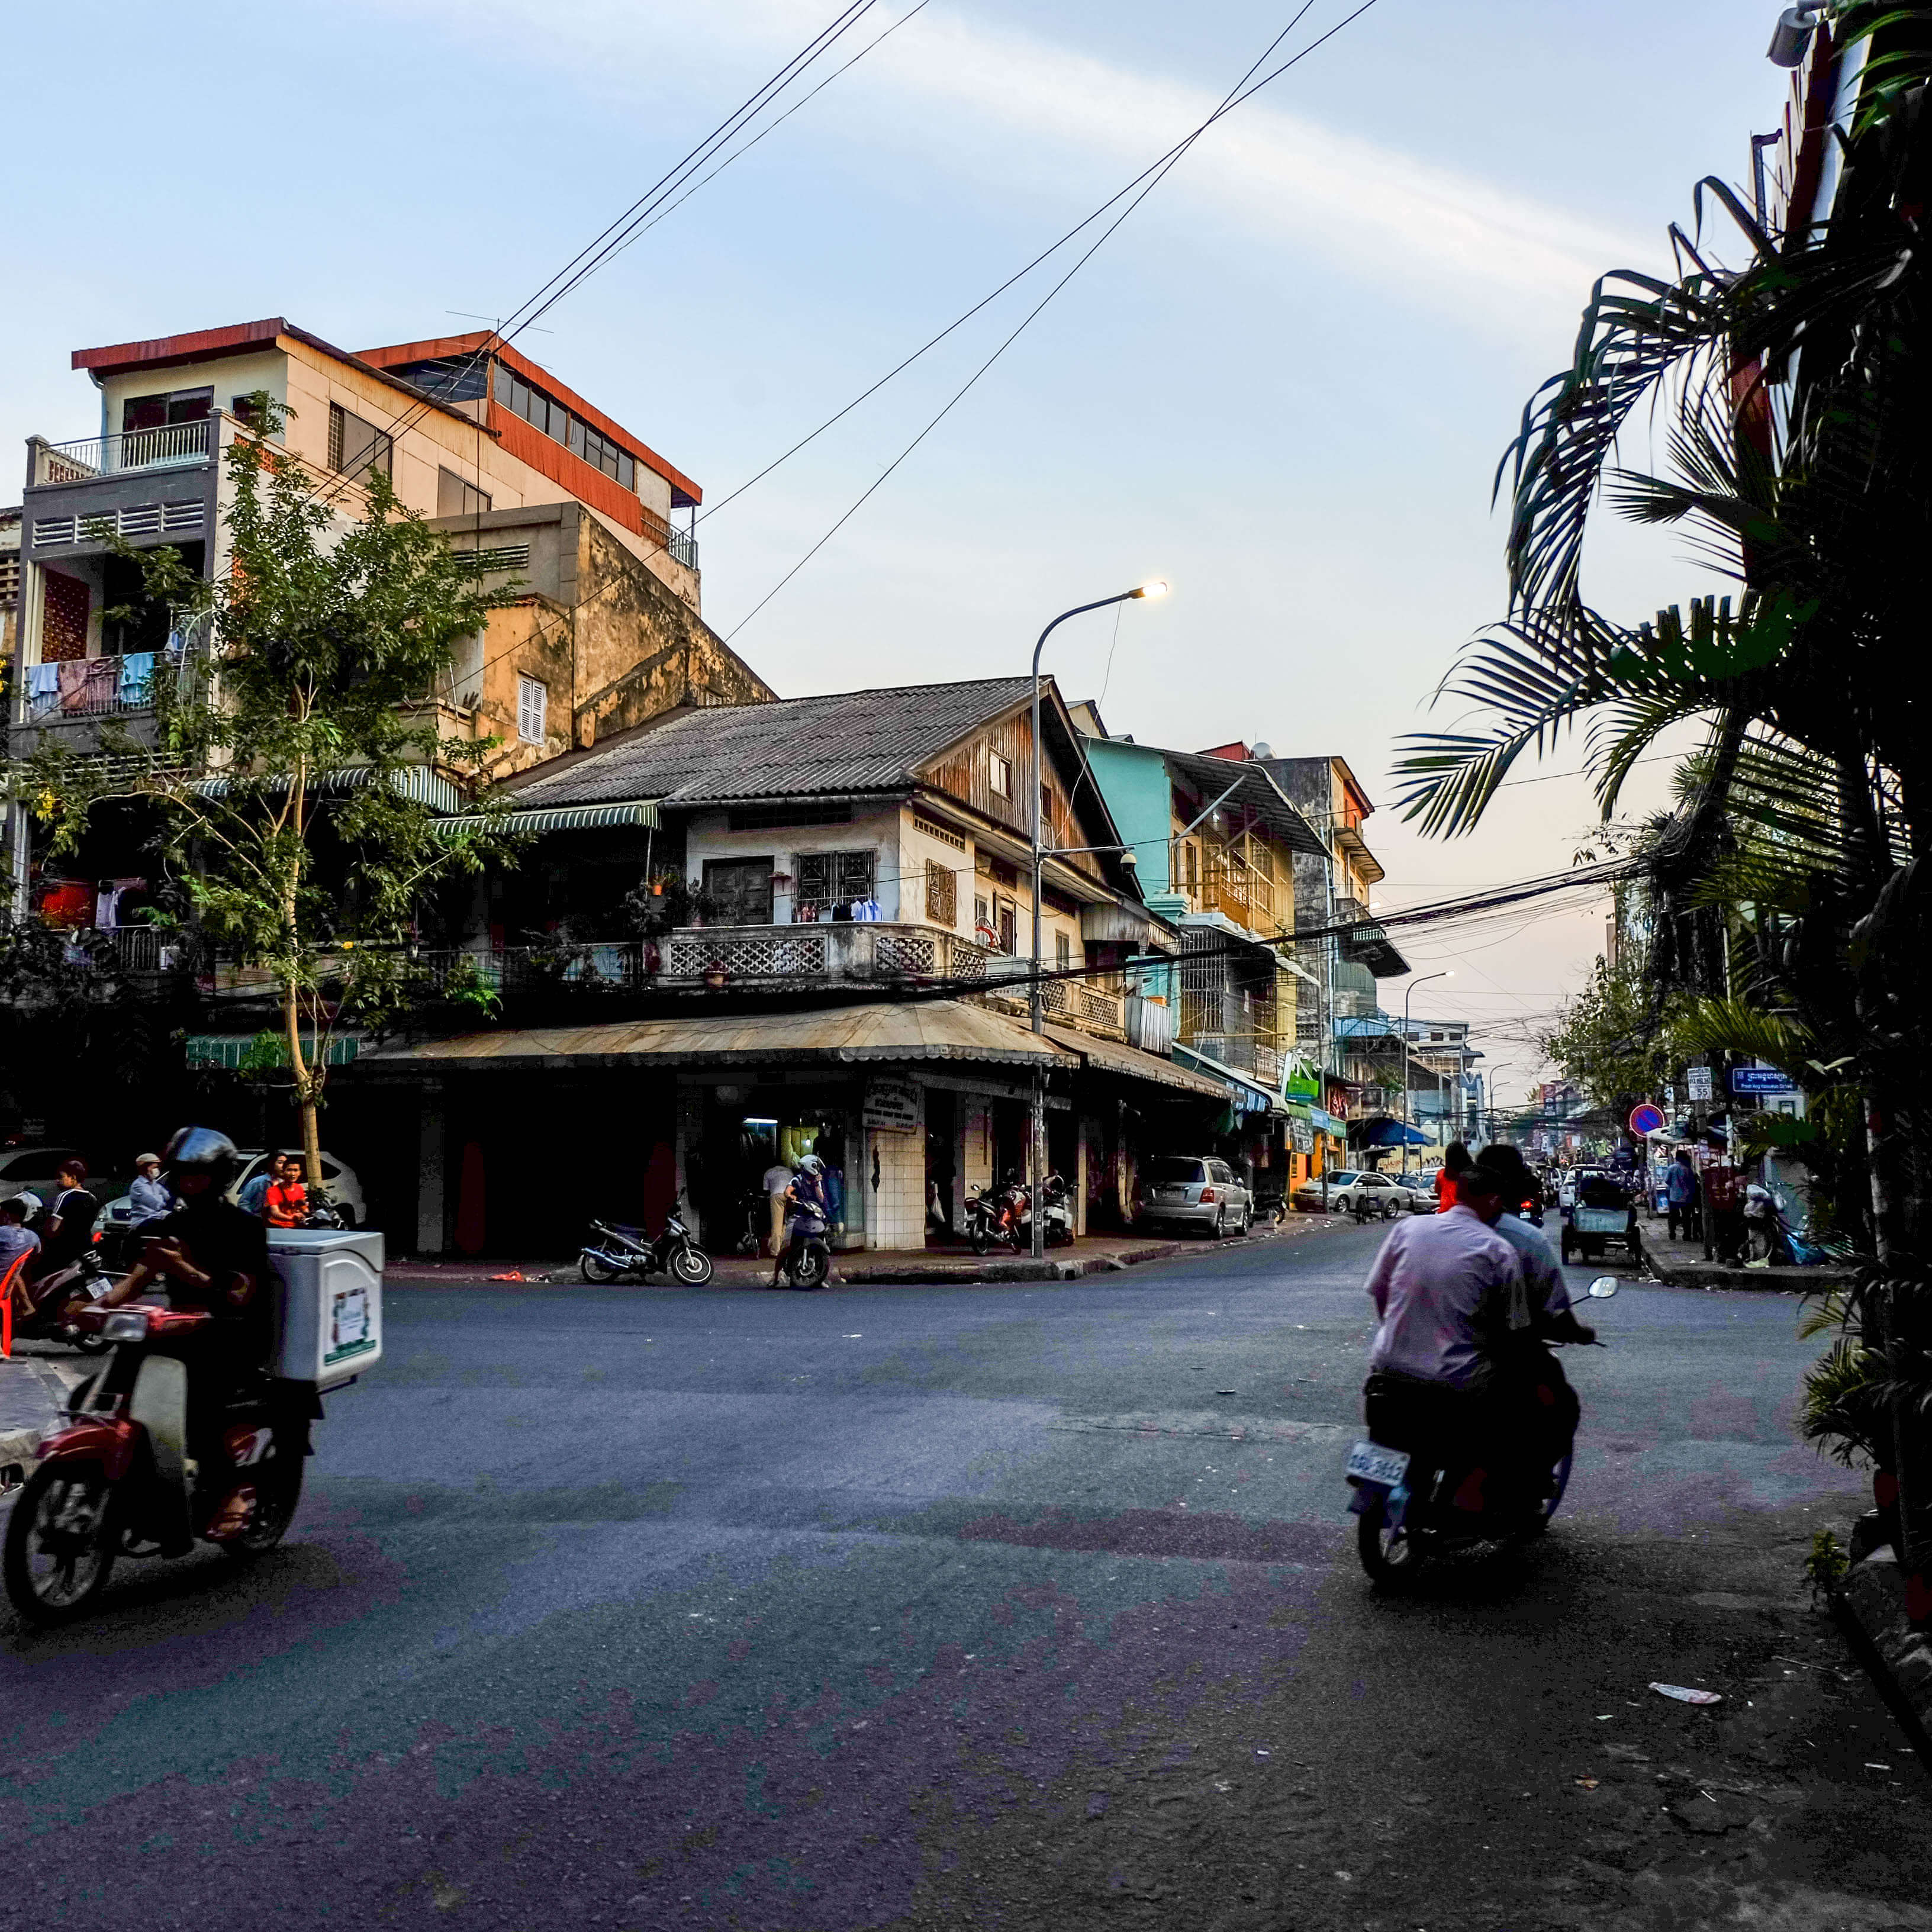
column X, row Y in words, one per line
column 510, row 464
column 841, row 966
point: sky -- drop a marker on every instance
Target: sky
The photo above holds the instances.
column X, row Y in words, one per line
column 1282, row 384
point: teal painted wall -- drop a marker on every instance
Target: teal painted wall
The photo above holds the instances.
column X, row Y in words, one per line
column 1133, row 781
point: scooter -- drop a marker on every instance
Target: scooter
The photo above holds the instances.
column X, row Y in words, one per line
column 616, row 1253
column 1412, row 1505
column 55, row 1299
column 806, row 1262
column 991, row 1216
column 1056, row 1210
column 115, row 1478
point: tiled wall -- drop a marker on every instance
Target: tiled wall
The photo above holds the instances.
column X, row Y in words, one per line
column 895, row 1207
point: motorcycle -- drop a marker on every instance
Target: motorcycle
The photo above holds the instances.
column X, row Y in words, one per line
column 1056, row 1209
column 991, row 1216
column 618, row 1253
column 1430, row 1500
column 806, row 1262
column 56, row 1299
column 116, row 1478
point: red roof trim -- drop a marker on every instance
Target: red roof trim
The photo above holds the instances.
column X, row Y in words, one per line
column 436, row 347
column 198, row 345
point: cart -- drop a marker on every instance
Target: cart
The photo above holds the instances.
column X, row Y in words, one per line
column 1591, row 1227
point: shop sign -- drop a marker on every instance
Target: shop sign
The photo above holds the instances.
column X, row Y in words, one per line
column 1301, row 1136
column 891, row 1106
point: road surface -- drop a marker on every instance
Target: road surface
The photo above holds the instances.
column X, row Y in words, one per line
column 1022, row 1606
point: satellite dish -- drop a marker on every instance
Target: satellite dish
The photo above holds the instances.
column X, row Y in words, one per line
column 1260, row 750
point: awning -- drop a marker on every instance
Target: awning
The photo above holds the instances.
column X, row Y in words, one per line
column 1254, row 789
column 1326, row 1123
column 418, row 783
column 1393, row 1133
column 1109, row 1056
column 1248, row 1095
column 228, row 1050
column 558, row 818
column 912, row 1030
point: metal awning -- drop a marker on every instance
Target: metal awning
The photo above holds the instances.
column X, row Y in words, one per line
column 910, row 1030
column 416, row 782
column 1231, row 1079
column 1254, row 790
column 1109, row 1056
column 557, row 818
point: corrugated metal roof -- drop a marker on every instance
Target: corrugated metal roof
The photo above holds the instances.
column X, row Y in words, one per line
column 854, row 741
column 559, row 818
column 915, row 1031
column 1109, row 1056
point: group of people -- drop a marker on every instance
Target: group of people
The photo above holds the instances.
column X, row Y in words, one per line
column 1468, row 1300
column 39, row 1237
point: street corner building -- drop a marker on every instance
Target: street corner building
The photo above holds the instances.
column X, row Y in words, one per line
column 844, row 974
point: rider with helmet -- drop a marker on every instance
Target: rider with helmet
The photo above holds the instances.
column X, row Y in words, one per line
column 809, row 1213
column 208, row 1254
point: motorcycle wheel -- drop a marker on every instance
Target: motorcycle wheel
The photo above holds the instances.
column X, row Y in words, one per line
column 1559, row 1478
column 60, row 1543
column 691, row 1266
column 980, row 1238
column 595, row 1269
column 812, row 1268
column 275, row 1502
column 1390, row 1558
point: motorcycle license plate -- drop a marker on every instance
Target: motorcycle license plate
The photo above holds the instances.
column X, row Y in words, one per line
column 1372, row 1463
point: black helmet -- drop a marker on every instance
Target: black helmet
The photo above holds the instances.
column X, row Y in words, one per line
column 202, row 1150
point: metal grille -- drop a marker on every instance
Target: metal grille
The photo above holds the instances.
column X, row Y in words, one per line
column 1102, row 1012
column 903, row 952
column 942, row 893
column 508, row 556
column 689, row 957
column 133, row 520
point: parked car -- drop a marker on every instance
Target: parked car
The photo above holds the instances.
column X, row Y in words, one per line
column 32, row 1170
column 1383, row 1196
column 1182, row 1190
column 343, row 1189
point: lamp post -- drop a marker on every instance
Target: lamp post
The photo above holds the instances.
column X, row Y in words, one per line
column 1037, row 1139
column 1446, row 973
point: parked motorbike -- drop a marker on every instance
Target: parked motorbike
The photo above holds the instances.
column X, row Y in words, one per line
column 992, row 1217
column 1057, row 1211
column 116, row 1479
column 806, row 1262
column 55, row 1299
column 1413, row 1505
column 615, row 1252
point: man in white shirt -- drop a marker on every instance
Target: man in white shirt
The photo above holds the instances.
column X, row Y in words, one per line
column 777, row 1180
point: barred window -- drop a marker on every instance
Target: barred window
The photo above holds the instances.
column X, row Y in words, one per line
column 942, row 893
column 829, row 879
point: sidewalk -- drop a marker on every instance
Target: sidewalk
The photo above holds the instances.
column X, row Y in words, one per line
column 1098, row 1255
column 1682, row 1264
column 33, row 1388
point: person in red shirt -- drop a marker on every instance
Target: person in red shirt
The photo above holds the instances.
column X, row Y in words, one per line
column 1456, row 1162
column 286, row 1203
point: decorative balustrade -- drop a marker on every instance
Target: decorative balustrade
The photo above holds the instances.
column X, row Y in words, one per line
column 834, row 950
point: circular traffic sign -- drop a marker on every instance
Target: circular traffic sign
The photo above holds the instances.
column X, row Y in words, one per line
column 1645, row 1119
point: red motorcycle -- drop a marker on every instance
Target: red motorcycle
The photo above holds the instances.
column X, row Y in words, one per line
column 117, row 1478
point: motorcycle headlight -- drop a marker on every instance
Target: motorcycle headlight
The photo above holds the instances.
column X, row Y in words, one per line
column 125, row 1324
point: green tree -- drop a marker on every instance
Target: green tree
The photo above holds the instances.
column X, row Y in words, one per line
column 1609, row 1041
column 1796, row 385
column 288, row 762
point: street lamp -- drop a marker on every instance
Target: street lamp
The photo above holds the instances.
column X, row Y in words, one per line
column 1448, row 972
column 1036, row 1153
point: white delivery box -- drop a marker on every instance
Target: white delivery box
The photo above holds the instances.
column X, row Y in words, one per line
column 330, row 1328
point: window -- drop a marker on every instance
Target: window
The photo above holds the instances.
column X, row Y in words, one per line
column 739, row 890
column 456, row 498
column 356, row 448
column 243, row 410
column 942, row 893
column 999, row 775
column 449, row 378
column 1190, row 862
column 175, row 406
column 982, row 920
column 1063, row 951
column 533, row 706
column 774, row 817
column 1008, row 927
column 545, row 413
column 829, row 882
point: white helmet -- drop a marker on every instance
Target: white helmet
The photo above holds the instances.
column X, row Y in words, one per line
column 810, row 1163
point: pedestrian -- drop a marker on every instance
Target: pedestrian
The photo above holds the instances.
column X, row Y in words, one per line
column 150, row 1197
column 67, row 1232
column 17, row 1240
column 255, row 1190
column 285, row 1203
column 777, row 1180
column 1682, row 1194
column 1455, row 1163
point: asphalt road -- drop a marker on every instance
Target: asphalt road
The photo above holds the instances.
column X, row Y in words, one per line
column 942, row 1607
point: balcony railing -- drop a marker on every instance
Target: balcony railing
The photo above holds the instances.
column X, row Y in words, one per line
column 174, row 446
column 102, row 687
column 832, row 950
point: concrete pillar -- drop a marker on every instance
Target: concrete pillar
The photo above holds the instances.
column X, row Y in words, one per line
column 432, row 1160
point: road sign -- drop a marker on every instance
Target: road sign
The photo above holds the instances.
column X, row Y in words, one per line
column 1698, row 1082
column 1761, row 1080
column 1645, row 1119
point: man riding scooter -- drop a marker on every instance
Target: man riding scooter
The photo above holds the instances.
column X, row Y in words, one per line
column 208, row 1254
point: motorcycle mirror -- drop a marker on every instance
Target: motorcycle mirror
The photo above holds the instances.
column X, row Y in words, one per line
column 1603, row 1287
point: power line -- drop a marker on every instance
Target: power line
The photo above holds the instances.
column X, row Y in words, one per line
column 1153, row 180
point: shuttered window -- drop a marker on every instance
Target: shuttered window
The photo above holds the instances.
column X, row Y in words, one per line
column 942, row 893
column 532, row 709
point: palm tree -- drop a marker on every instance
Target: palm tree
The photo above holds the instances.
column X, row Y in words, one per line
column 1797, row 392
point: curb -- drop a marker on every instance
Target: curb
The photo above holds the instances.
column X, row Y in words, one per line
column 1713, row 1275
column 1871, row 1607
column 908, row 1275
column 20, row 1446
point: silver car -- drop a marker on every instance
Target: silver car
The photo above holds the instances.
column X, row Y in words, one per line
column 1183, row 1191
column 1378, row 1192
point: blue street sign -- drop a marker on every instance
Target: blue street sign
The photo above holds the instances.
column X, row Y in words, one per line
column 1761, row 1080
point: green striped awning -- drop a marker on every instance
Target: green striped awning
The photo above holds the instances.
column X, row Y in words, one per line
column 416, row 782
column 227, row 1050
column 557, row 818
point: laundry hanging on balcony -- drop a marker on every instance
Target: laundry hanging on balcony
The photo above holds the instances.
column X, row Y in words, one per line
column 43, row 688
column 137, row 675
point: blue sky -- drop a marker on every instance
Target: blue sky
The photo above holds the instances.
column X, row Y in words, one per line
column 1283, row 385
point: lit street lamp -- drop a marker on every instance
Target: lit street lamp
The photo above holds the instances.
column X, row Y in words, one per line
column 1036, row 1154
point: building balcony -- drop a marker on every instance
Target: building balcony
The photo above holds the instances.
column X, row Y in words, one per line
column 102, row 687
column 174, row 446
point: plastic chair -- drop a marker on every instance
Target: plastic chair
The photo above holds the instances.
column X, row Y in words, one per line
column 7, row 1282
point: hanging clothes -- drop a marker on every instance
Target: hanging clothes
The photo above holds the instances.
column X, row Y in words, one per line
column 137, row 677
column 43, row 688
